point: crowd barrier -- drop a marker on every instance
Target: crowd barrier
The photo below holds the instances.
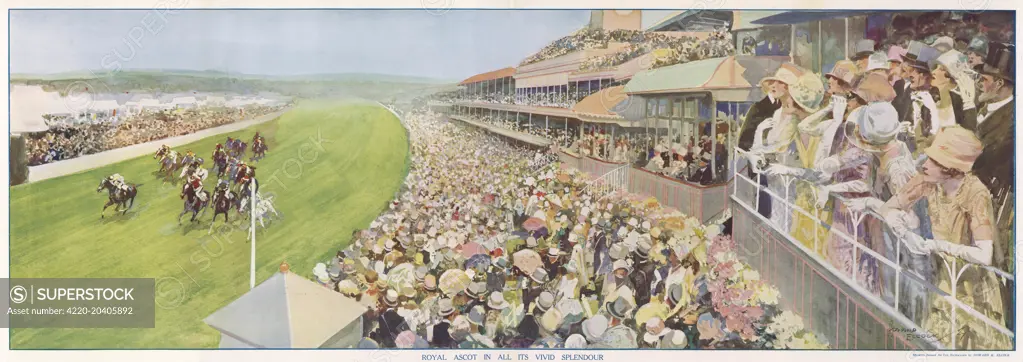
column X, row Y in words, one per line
column 838, row 278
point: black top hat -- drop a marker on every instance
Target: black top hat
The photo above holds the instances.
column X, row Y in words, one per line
column 1001, row 62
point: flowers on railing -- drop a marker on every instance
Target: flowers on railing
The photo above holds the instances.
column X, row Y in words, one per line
column 744, row 306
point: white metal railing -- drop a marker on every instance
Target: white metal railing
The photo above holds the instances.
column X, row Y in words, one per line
column 615, row 180
column 890, row 302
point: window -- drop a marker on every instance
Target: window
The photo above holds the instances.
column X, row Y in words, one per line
column 690, row 108
column 833, row 44
column 662, row 107
column 676, row 109
column 806, row 45
column 651, row 108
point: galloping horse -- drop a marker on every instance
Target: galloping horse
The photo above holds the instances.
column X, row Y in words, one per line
column 220, row 162
column 193, row 203
column 223, row 205
column 239, row 149
column 168, row 162
column 258, row 150
column 118, row 197
column 245, row 194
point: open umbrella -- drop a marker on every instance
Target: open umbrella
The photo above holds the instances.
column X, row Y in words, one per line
column 534, row 224
column 453, row 281
column 402, row 277
column 472, row 248
column 527, row 260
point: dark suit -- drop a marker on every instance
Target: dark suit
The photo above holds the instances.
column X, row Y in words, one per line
column 703, row 176
column 995, row 168
column 756, row 115
column 389, row 324
column 903, row 100
column 529, row 328
column 441, row 336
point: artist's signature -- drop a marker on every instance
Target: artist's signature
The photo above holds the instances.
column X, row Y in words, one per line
column 913, row 333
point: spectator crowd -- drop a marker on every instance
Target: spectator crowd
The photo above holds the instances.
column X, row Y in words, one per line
column 490, row 245
column 69, row 137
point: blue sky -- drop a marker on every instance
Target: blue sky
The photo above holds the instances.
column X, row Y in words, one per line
column 452, row 44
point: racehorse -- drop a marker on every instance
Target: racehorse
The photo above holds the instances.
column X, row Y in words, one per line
column 222, row 205
column 239, row 149
column 118, row 196
column 168, row 163
column 244, row 194
column 258, row 150
column 220, row 162
column 193, row 203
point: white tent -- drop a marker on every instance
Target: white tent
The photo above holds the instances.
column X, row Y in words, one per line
column 288, row 311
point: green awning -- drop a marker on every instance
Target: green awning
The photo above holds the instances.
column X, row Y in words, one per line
column 679, row 76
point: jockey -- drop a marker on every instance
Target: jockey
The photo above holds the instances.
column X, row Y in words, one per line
column 219, row 153
column 196, row 183
column 256, row 138
column 118, row 181
column 223, row 189
column 195, row 169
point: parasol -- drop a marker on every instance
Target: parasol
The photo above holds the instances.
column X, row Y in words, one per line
column 527, row 260
column 402, row 277
column 453, row 281
column 534, row 224
column 472, row 248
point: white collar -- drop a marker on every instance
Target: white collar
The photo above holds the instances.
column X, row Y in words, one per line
column 773, row 100
column 992, row 107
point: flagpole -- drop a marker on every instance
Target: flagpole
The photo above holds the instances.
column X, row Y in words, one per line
column 252, row 232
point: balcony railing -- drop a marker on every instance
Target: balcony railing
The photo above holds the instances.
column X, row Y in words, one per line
column 613, row 181
column 890, row 294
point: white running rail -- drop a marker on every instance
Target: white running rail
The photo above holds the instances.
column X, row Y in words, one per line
column 614, row 180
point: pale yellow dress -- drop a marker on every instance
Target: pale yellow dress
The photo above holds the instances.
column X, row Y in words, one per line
column 803, row 227
column 961, row 219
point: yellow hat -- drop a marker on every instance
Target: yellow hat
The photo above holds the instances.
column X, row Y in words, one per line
column 955, row 147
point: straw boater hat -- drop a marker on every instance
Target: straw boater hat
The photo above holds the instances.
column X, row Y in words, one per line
column 872, row 126
column 430, row 283
column 955, row 147
column 445, row 307
column 391, row 298
column 496, row 301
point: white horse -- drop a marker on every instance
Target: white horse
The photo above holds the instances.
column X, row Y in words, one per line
column 265, row 211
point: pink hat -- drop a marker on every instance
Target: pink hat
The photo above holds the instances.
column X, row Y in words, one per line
column 895, row 53
column 955, row 147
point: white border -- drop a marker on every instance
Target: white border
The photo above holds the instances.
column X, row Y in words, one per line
column 397, row 355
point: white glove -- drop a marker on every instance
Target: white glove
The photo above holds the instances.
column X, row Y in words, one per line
column 822, row 194
column 863, row 204
column 926, row 99
column 896, row 220
column 838, row 107
column 916, row 244
column 755, row 159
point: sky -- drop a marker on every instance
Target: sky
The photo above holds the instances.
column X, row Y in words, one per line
column 450, row 44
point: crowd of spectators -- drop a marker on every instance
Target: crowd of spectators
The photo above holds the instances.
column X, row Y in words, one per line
column 489, row 245
column 74, row 136
column 680, row 49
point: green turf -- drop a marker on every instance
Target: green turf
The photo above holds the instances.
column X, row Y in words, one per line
column 56, row 231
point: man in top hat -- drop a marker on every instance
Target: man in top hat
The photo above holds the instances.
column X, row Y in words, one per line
column 535, row 286
column 995, row 129
column 918, row 117
column 643, row 272
column 864, row 48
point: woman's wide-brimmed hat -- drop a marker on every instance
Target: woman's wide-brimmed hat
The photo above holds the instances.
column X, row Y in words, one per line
column 872, row 126
column 788, row 73
column 807, row 92
column 844, row 70
column 497, row 301
column 955, row 147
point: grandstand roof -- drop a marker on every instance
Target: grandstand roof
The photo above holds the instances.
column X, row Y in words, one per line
column 497, row 74
column 724, row 73
column 603, row 103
